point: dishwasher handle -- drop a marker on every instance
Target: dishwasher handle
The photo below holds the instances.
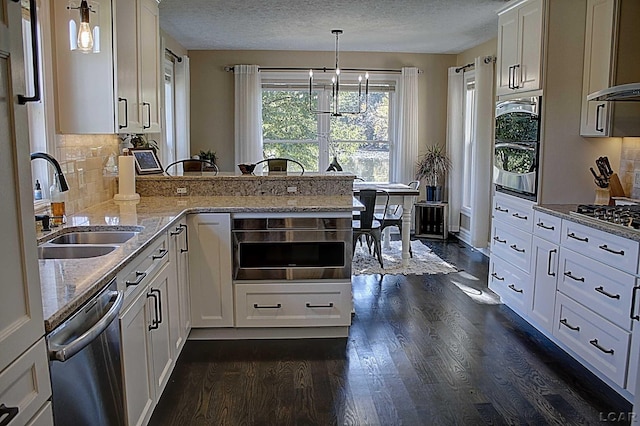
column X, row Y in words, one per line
column 64, row 352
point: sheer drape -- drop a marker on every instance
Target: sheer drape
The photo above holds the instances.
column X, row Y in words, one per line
column 248, row 114
column 455, row 146
column 182, row 111
column 482, row 154
column 406, row 140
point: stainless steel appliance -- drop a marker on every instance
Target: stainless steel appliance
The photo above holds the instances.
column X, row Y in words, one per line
column 85, row 368
column 627, row 216
column 291, row 248
column 516, row 148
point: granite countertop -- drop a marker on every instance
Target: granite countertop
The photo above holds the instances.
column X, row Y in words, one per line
column 562, row 211
column 68, row 283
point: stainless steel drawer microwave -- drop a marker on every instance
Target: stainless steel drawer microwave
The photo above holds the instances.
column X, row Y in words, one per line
column 517, row 146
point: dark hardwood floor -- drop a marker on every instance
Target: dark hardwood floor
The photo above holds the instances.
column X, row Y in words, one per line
column 422, row 350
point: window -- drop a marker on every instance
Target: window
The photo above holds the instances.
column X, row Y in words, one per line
column 168, row 150
column 469, row 137
column 361, row 143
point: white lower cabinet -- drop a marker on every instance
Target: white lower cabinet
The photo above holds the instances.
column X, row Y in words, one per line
column 293, row 304
column 210, row 281
column 545, row 257
column 179, row 301
column 44, row 417
column 512, row 284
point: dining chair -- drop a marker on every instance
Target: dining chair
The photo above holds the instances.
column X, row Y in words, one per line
column 194, row 165
column 392, row 216
column 281, row 164
column 367, row 226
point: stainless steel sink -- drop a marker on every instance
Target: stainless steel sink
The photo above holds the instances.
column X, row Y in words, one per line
column 73, row 251
column 94, row 237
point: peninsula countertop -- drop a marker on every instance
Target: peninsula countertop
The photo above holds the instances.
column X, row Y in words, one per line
column 68, row 283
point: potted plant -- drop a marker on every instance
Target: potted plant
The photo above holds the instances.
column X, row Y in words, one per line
column 141, row 141
column 208, row 155
column 432, row 168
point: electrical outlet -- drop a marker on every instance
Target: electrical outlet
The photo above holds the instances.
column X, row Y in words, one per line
column 292, row 189
column 181, row 191
column 636, row 179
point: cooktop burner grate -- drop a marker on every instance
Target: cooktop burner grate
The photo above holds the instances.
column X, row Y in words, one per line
column 625, row 216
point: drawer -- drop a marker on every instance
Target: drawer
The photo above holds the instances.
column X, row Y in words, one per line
column 599, row 342
column 139, row 271
column 511, row 244
column 25, row 384
column 597, row 286
column 44, row 417
column 293, row 305
column 514, row 211
column 512, row 284
column 617, row 252
column 547, row 226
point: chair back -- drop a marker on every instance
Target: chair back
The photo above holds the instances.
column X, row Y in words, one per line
column 368, row 199
column 280, row 164
column 192, row 165
column 415, row 184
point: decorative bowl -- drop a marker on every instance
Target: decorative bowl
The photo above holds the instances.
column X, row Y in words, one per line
column 246, row 169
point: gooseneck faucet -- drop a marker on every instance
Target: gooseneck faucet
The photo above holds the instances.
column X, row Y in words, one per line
column 62, row 182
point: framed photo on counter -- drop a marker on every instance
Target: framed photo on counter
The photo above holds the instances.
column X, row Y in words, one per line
column 146, row 161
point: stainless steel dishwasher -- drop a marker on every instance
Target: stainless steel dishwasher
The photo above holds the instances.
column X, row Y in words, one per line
column 84, row 363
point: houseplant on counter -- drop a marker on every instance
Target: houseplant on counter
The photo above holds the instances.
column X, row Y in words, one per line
column 431, row 169
column 208, row 155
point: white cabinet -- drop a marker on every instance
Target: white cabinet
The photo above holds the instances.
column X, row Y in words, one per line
column 118, row 89
column 179, row 301
column 519, row 61
column 210, row 265
column 545, row 271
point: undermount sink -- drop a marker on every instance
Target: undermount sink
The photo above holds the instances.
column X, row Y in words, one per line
column 73, row 251
column 94, row 237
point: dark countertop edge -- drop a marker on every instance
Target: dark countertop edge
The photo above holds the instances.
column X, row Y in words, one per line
column 562, row 211
column 252, row 176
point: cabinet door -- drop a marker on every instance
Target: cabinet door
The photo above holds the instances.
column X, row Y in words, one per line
column 182, row 268
column 128, row 118
column 634, row 351
column 545, row 261
column 598, row 47
column 210, row 270
column 179, row 311
column 149, row 48
column 159, row 329
column 528, row 72
column 21, row 322
column 136, row 361
column 507, row 50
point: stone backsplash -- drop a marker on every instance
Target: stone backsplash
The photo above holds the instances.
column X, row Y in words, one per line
column 629, row 165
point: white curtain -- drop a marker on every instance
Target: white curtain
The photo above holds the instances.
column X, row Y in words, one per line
column 182, row 111
column 248, row 114
column 406, row 140
column 482, row 154
column 455, row 146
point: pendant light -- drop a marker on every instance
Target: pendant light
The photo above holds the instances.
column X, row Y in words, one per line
column 82, row 36
column 334, row 110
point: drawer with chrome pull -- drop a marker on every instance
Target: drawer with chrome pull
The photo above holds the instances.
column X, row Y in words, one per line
column 511, row 284
column 599, row 342
column 612, row 250
column 511, row 244
column 514, row 211
column 599, row 287
column 547, row 226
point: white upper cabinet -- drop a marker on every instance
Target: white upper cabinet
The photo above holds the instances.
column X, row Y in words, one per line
column 520, row 30
column 118, row 89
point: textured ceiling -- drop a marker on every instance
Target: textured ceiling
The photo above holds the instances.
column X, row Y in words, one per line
column 414, row 26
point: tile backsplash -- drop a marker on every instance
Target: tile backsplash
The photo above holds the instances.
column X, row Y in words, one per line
column 629, row 164
column 83, row 159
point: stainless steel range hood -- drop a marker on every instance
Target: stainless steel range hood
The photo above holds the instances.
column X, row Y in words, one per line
column 623, row 92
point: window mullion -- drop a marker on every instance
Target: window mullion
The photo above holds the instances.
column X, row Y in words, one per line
column 324, row 130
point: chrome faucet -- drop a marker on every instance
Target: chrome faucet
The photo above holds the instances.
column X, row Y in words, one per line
column 62, row 182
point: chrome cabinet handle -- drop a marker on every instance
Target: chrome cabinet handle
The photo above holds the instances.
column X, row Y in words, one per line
column 599, row 108
column 543, row 226
column 594, row 342
column 515, row 247
column 148, row 105
column 573, row 277
column 572, row 235
column 633, row 304
column 515, row 67
column 139, row 277
column 566, row 324
column 549, row 271
column 328, row 305
column 500, row 209
column 495, row 275
column 126, row 113
column 517, row 216
column 606, row 248
column 496, row 238
column 154, row 322
column 33, row 18
column 186, row 238
column 163, row 253
column 256, row 306
column 602, row 291
column 513, row 287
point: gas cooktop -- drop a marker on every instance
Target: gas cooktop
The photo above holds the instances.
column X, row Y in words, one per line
column 624, row 216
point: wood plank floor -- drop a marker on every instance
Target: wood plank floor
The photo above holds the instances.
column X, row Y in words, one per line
column 423, row 350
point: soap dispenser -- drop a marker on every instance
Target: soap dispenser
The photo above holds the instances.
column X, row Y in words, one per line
column 37, row 191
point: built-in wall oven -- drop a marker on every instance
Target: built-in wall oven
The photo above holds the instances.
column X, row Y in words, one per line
column 517, row 146
column 283, row 246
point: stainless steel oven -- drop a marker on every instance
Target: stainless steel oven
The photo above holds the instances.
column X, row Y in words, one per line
column 281, row 247
column 517, row 146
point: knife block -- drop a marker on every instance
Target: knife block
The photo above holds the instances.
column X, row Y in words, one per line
column 615, row 187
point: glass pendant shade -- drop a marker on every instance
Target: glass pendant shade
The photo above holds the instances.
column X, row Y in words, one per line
column 84, row 31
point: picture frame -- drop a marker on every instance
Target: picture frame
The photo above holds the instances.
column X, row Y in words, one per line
column 147, row 161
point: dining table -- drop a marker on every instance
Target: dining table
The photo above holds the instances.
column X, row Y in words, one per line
column 399, row 194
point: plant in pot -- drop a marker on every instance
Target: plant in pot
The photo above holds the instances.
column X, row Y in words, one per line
column 431, row 169
column 208, row 155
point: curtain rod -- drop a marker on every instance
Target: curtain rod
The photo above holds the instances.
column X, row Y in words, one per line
column 324, row 69
column 486, row 60
column 178, row 58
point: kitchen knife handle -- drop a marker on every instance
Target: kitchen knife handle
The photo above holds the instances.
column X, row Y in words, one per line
column 599, row 128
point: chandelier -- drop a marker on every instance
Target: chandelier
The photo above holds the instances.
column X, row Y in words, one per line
column 334, row 104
